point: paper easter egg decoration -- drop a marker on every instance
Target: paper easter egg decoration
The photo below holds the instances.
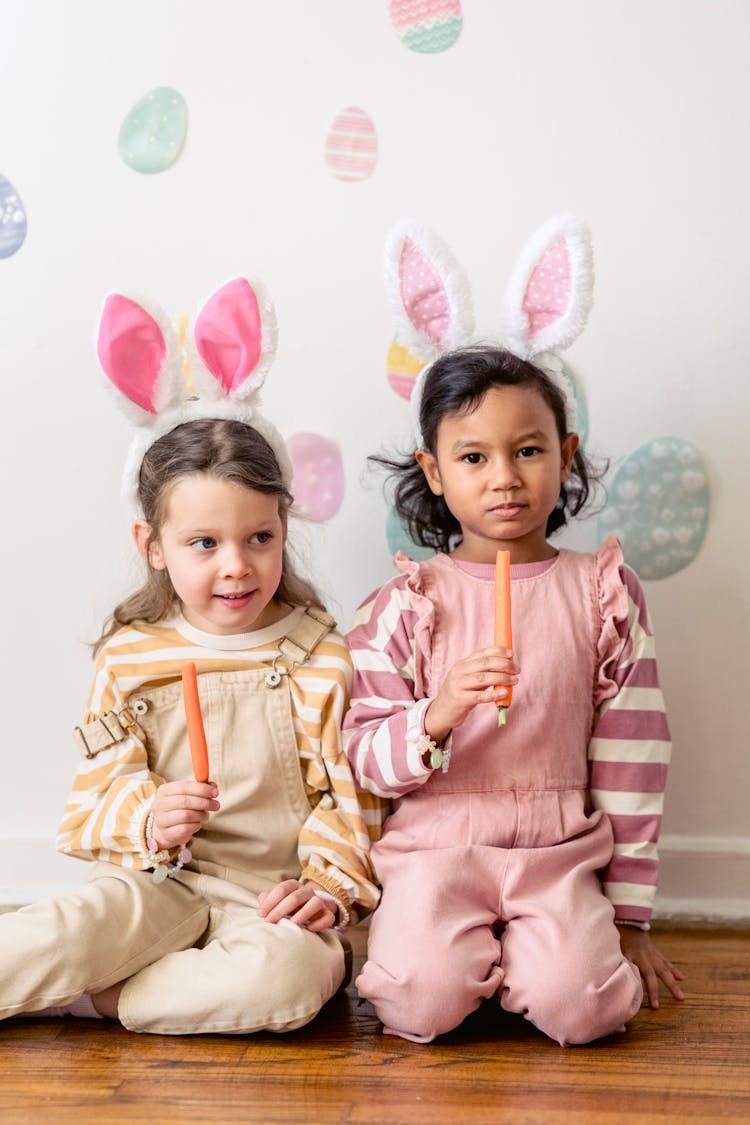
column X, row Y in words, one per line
column 402, row 368
column 426, row 26
column 12, row 219
column 318, row 475
column 153, row 132
column 398, row 539
column 351, row 149
column 658, row 506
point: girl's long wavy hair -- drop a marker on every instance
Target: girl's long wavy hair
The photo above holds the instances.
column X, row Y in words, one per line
column 223, row 449
column 457, row 382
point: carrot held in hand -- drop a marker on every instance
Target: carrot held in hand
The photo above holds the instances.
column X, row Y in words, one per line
column 503, row 631
column 196, row 733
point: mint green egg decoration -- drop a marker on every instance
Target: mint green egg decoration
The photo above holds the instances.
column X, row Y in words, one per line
column 153, row 133
column 657, row 506
column 398, row 539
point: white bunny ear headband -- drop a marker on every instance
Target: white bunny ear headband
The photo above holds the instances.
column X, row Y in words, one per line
column 547, row 301
column 227, row 352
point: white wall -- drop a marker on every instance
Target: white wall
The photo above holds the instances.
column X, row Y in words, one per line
column 632, row 113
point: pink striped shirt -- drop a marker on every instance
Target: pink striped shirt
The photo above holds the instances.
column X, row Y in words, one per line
column 625, row 723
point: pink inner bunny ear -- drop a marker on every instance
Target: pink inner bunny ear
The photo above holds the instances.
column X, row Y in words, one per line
column 547, row 295
column 131, row 349
column 228, row 333
column 423, row 293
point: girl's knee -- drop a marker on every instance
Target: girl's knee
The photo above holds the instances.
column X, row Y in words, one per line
column 574, row 1012
column 427, row 1001
column 303, row 978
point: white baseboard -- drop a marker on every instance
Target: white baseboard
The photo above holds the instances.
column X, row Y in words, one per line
column 703, row 878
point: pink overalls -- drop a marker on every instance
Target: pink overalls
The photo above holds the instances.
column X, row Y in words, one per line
column 489, row 871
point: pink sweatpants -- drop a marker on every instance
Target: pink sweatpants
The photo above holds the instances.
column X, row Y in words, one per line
column 458, row 924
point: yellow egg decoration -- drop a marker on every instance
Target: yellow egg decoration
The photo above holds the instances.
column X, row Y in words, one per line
column 402, row 369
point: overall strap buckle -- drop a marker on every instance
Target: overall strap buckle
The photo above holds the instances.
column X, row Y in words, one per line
column 298, row 646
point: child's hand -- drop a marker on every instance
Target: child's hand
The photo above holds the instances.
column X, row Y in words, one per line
column 478, row 678
column 654, row 966
column 299, row 903
column 180, row 809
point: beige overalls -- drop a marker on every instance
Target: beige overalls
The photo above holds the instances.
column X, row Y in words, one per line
column 192, row 950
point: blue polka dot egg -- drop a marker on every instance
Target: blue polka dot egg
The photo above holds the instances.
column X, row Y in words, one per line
column 658, row 506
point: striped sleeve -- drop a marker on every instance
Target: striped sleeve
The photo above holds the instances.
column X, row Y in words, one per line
column 629, row 754
column 112, row 794
column 334, row 843
column 385, row 721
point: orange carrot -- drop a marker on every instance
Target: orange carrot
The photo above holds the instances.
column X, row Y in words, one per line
column 196, row 733
column 503, row 630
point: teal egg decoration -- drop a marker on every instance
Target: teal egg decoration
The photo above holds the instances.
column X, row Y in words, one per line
column 658, row 506
column 153, row 133
column 12, row 219
column 398, row 539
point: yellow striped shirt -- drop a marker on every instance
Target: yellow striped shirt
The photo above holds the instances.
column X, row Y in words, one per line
column 112, row 793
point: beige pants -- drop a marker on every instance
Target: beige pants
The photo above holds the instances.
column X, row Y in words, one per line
column 193, row 953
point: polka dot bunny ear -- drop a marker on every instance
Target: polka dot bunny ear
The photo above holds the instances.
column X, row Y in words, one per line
column 550, row 291
column 428, row 292
column 547, row 303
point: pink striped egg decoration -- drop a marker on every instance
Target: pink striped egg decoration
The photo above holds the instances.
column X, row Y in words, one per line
column 351, row 151
column 427, row 26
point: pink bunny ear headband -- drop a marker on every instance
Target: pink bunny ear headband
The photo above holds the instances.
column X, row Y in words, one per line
column 227, row 352
column 547, row 301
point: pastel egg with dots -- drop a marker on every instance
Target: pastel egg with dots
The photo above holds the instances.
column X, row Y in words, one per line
column 153, row 132
column 318, row 475
column 12, row 219
column 658, row 506
column 351, row 148
column 426, row 26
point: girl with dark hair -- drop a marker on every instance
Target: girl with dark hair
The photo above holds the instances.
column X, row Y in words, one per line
column 519, row 861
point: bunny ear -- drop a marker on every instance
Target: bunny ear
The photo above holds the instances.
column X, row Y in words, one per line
column 428, row 291
column 139, row 353
column 234, row 341
column 550, row 291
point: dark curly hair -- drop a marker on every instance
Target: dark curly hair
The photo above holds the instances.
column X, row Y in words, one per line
column 458, row 382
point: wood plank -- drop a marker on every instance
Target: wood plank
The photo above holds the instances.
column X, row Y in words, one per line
column 686, row 1063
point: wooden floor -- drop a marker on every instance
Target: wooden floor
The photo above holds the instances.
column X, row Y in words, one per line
column 686, row 1064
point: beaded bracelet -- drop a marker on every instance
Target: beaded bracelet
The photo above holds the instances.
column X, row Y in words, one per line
column 163, row 870
column 438, row 756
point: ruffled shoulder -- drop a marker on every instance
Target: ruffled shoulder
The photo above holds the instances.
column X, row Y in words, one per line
column 420, row 586
column 612, row 596
column 402, row 562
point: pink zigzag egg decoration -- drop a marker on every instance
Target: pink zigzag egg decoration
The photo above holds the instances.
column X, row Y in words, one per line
column 351, row 150
column 402, row 369
column 427, row 26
